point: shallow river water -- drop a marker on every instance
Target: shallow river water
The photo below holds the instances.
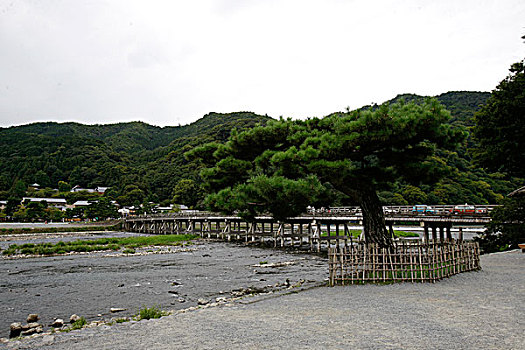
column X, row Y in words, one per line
column 90, row 284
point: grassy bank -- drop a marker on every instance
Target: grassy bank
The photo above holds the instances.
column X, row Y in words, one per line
column 129, row 244
column 11, row 231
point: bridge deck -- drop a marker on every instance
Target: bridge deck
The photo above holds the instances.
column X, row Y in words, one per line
column 312, row 232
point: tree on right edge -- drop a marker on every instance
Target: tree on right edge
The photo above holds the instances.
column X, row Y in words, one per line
column 500, row 133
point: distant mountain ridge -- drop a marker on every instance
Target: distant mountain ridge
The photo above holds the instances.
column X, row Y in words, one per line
column 110, row 155
column 143, row 135
column 461, row 104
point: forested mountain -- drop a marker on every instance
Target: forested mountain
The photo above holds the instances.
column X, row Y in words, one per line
column 125, row 156
column 142, row 162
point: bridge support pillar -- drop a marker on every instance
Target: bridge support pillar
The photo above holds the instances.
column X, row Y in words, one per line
column 434, row 234
column 460, row 236
column 425, row 229
column 441, row 234
column 449, row 234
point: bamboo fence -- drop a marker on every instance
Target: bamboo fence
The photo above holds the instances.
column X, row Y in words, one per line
column 360, row 263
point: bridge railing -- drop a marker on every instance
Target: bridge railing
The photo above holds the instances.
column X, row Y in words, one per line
column 389, row 211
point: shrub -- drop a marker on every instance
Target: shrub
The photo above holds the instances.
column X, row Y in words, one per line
column 152, row 312
column 81, row 322
column 80, row 248
column 26, row 251
column 113, row 246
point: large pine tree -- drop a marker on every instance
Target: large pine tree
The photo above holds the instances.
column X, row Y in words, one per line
column 287, row 165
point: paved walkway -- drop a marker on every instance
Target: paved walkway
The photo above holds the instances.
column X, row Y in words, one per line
column 475, row 310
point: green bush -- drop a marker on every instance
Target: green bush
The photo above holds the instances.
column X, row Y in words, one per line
column 113, row 246
column 26, row 251
column 149, row 313
column 81, row 322
column 10, row 251
column 80, row 248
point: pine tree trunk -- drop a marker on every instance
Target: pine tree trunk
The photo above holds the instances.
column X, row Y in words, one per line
column 374, row 219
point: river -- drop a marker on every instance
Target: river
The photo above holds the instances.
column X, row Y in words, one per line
column 90, row 284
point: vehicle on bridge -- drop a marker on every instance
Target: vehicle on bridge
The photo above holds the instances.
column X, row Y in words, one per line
column 467, row 209
column 422, row 209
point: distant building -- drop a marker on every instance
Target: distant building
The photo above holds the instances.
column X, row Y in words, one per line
column 77, row 188
column 124, row 211
column 3, row 205
column 160, row 209
column 59, row 203
column 99, row 189
column 81, row 204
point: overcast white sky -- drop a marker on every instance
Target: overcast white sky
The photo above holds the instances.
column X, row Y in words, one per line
column 171, row 62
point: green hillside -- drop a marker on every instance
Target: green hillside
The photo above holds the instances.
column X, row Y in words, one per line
column 142, row 162
column 116, row 155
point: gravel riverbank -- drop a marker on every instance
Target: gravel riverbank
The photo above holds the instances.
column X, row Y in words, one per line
column 91, row 284
column 474, row 310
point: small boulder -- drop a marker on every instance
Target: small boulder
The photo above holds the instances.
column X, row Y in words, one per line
column 57, row 323
column 117, row 309
column 74, row 318
column 33, row 325
column 203, row 301
column 32, row 318
column 33, row 330
column 15, row 330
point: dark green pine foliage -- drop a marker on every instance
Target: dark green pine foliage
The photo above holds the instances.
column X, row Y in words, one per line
column 500, row 126
column 507, row 228
column 500, row 135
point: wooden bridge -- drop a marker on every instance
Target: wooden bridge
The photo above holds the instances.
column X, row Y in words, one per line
column 314, row 232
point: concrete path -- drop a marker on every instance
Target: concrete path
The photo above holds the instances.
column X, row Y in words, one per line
column 475, row 310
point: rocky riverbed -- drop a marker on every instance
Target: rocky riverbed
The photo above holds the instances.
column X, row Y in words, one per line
column 90, row 285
